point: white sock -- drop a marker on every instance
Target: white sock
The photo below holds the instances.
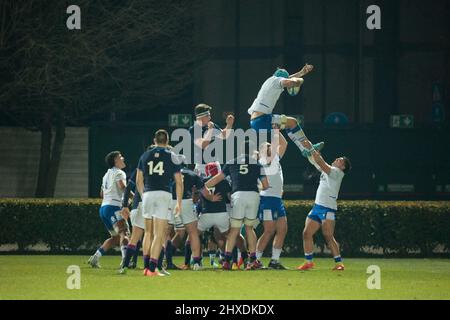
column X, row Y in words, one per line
column 98, row 254
column 259, row 254
column 276, row 253
column 124, row 251
column 297, row 138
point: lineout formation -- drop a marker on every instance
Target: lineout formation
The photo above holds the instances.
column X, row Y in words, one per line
column 224, row 202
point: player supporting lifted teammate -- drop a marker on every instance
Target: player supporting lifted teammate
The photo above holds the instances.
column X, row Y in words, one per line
column 113, row 186
column 157, row 168
column 272, row 212
column 324, row 209
column 261, row 117
column 244, row 173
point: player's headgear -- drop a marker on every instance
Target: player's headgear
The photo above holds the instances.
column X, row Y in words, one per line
column 212, row 169
column 202, row 110
column 281, row 73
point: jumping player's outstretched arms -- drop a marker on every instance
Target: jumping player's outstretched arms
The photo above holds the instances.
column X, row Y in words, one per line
column 320, row 162
column 303, row 72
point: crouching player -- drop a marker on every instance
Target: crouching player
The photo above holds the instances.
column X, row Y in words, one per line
column 324, row 209
column 113, row 186
column 271, row 209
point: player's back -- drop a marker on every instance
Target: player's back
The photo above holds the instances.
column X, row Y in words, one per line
column 244, row 173
column 190, row 179
column 112, row 194
column 274, row 174
column 222, row 188
column 267, row 96
column 158, row 166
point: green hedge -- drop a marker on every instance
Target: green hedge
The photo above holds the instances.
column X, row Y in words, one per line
column 395, row 228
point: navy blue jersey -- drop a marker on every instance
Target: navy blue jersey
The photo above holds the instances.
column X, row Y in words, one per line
column 244, row 175
column 131, row 187
column 159, row 166
column 222, row 188
column 190, row 180
column 198, row 152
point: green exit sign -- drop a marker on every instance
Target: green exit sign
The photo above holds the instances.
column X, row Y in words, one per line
column 180, row 120
column 403, row 121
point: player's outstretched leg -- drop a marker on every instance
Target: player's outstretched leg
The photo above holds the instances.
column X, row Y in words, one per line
column 311, row 227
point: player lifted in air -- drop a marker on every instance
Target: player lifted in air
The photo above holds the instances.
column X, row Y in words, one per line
column 245, row 173
column 261, row 117
column 157, row 169
column 113, row 186
column 324, row 209
column 272, row 212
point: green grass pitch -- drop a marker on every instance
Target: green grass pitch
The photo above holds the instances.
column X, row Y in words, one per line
column 45, row 277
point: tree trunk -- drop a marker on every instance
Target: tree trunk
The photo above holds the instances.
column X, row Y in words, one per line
column 57, row 149
column 44, row 160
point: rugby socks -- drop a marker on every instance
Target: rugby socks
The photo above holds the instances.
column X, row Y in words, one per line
column 244, row 255
column 152, row 265
column 131, row 250
column 136, row 252
column 259, row 254
column 234, row 254
column 169, row 252
column 146, row 262
column 309, row 257
column 297, row 136
column 100, row 252
column 197, row 260
column 338, row 259
column 212, row 256
column 228, row 256
column 187, row 253
column 160, row 259
column 276, row 254
column 123, row 249
column 252, row 257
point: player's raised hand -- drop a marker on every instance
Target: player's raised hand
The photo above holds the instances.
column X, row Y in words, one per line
column 230, row 120
column 306, row 69
column 210, row 125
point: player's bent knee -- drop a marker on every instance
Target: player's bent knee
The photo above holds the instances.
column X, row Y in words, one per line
column 236, row 223
column 250, row 222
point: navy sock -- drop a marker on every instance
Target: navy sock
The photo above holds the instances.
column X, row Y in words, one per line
column 187, row 253
column 235, row 255
column 244, row 255
column 131, row 249
column 147, row 262
column 169, row 252
column 228, row 256
column 136, row 253
column 197, row 260
column 152, row 265
column 252, row 257
column 160, row 259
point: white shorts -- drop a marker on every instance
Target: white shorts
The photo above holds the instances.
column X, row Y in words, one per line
column 137, row 220
column 245, row 205
column 221, row 220
column 156, row 204
column 188, row 213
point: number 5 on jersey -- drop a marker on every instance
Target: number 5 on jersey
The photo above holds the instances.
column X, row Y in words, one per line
column 158, row 168
column 243, row 169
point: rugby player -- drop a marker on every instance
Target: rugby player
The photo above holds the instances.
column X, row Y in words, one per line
column 113, row 186
column 323, row 212
column 245, row 173
column 157, row 169
column 261, row 117
column 272, row 212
